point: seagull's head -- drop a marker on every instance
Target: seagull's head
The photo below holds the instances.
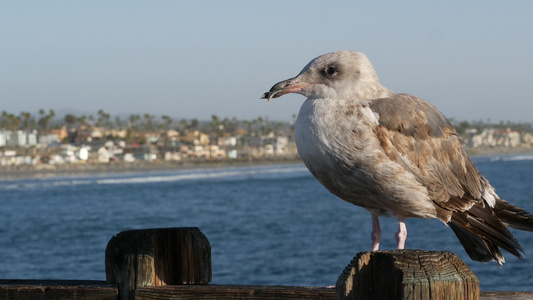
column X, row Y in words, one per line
column 342, row 74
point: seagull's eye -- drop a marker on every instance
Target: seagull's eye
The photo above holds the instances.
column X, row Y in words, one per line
column 331, row 70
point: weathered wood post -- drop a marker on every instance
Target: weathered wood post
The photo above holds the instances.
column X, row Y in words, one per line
column 157, row 257
column 407, row 274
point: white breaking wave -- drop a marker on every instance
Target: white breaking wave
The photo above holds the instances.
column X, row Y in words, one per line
column 519, row 157
column 198, row 176
column 513, row 157
column 140, row 178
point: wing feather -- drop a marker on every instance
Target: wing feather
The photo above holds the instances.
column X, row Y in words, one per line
column 413, row 133
column 418, row 136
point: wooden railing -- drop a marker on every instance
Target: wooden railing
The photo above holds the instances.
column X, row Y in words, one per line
column 175, row 263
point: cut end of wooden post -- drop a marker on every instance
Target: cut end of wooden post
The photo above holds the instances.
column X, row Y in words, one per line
column 157, row 257
column 407, row 274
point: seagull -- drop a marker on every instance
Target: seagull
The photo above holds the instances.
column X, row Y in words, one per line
column 395, row 154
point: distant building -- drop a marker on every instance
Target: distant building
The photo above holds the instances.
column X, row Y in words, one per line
column 83, row 153
column 3, row 138
column 31, row 138
column 148, row 153
column 103, row 155
column 172, row 156
column 68, row 153
column 49, row 139
column 269, row 145
column 61, row 133
column 20, row 138
column 491, row 137
column 227, row 141
column 232, row 154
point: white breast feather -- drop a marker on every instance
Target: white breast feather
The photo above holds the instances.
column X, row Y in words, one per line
column 325, row 149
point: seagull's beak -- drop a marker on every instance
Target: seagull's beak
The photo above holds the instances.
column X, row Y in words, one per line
column 293, row 85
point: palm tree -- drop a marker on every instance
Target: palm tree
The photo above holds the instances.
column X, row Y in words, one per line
column 167, row 121
column 3, row 119
column 45, row 119
column 26, row 120
column 133, row 126
column 103, row 119
column 232, row 125
column 194, row 124
column 51, row 115
column 214, row 125
column 148, row 122
column 13, row 122
column 133, row 119
column 183, row 124
column 118, row 122
column 71, row 120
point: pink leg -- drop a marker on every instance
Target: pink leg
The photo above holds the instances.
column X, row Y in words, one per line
column 376, row 233
column 401, row 235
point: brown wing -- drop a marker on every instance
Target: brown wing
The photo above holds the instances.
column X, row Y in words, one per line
column 416, row 135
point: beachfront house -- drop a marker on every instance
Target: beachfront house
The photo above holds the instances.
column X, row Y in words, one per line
column 3, row 138
column 104, row 155
column 230, row 141
column 270, row 145
column 175, row 156
column 48, row 139
column 491, row 137
column 138, row 152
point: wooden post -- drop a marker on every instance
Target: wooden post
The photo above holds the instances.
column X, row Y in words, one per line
column 407, row 274
column 157, row 257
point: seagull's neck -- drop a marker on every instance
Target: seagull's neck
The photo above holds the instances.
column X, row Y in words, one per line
column 372, row 91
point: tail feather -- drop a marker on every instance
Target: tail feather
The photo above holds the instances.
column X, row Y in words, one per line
column 481, row 232
column 513, row 216
column 475, row 247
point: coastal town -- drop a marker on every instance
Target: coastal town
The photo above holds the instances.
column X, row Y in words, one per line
column 46, row 142
column 78, row 142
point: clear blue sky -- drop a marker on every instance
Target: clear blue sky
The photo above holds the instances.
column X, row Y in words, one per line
column 193, row 59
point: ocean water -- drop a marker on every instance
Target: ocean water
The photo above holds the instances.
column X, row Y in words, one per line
column 267, row 225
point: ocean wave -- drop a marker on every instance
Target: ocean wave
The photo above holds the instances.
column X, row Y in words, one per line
column 519, row 157
column 516, row 157
column 260, row 172
column 200, row 176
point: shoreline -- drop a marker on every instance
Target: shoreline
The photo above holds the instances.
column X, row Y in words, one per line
column 495, row 151
column 81, row 169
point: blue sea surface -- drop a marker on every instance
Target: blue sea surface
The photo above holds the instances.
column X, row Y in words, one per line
column 267, row 225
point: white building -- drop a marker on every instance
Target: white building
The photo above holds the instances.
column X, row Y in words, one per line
column 31, row 138
column 83, row 153
column 48, row 139
column 20, row 138
column 3, row 138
